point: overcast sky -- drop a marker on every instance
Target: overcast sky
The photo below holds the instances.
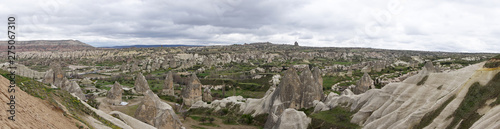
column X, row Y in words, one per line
column 432, row 25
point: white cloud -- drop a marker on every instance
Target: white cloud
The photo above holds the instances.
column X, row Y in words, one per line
column 442, row 25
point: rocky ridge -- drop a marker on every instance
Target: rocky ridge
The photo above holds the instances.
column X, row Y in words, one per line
column 404, row 104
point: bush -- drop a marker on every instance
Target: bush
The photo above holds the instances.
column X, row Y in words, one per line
column 421, row 82
column 223, row 112
column 246, row 119
column 260, row 120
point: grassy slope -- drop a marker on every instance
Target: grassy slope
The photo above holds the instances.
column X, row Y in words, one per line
column 337, row 118
column 40, row 90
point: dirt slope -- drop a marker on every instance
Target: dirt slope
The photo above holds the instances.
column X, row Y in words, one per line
column 31, row 112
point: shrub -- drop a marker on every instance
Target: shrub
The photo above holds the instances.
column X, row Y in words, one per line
column 421, row 82
column 260, row 120
column 246, row 119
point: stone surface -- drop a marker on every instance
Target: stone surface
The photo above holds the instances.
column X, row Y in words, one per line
column 288, row 93
column 54, row 76
column 22, row 70
column 207, row 95
column 294, row 92
column 141, row 84
column 310, row 87
column 430, row 67
column 403, row 104
column 48, row 77
column 168, row 85
column 157, row 113
column 292, row 119
column 192, row 92
column 74, row 88
column 58, row 75
column 131, row 121
column 86, row 81
column 114, row 95
column 364, row 84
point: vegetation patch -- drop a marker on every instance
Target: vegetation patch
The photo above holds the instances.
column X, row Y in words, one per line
column 329, row 81
column 307, row 111
column 430, row 116
column 260, row 120
column 476, row 98
column 439, row 88
column 336, row 118
column 421, row 82
column 210, row 124
column 229, row 116
column 493, row 62
column 197, row 127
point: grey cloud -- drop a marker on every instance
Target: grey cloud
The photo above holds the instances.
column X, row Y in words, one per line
column 422, row 25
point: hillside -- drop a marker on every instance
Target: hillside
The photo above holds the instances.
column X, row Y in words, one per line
column 148, row 46
column 31, row 112
column 466, row 98
column 47, row 45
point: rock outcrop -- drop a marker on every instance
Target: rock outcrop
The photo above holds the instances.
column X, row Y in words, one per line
column 157, row 113
column 86, row 81
column 311, row 88
column 141, row 84
column 131, row 121
column 405, row 104
column 24, row 71
column 114, row 95
column 54, row 76
column 364, row 84
column 48, row 77
column 207, row 95
column 292, row 119
column 430, row 67
column 73, row 87
column 294, row 92
column 168, row 85
column 192, row 92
